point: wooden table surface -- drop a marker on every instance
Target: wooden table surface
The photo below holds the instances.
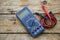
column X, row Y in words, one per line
column 12, row 29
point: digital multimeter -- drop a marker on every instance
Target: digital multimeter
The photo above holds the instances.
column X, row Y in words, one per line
column 30, row 22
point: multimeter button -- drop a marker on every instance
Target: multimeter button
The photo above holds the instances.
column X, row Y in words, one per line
column 38, row 31
column 32, row 32
column 40, row 26
column 37, row 28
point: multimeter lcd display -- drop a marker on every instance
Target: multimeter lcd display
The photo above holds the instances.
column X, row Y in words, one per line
column 23, row 14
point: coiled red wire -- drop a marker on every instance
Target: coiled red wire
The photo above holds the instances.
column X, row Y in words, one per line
column 52, row 22
column 49, row 20
column 50, row 17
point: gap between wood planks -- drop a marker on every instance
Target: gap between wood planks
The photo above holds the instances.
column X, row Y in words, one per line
column 15, row 13
column 25, row 33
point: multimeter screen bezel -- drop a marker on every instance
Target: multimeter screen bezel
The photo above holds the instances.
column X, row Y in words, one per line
column 22, row 12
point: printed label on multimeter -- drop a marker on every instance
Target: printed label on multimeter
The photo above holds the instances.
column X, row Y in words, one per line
column 30, row 22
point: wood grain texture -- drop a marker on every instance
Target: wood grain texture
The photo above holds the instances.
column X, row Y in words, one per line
column 9, row 23
column 6, row 6
column 3, row 36
column 28, row 37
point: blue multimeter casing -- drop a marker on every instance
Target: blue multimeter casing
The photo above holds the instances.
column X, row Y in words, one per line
column 30, row 21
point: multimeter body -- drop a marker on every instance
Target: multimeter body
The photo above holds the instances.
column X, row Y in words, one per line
column 30, row 22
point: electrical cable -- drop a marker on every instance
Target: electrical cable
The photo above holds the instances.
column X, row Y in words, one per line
column 48, row 20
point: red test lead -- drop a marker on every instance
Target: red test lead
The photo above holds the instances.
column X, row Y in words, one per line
column 50, row 21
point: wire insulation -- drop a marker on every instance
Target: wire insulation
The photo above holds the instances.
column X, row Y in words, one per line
column 48, row 20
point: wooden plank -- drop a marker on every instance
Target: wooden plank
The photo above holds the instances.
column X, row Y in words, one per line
column 16, row 5
column 9, row 23
column 28, row 37
column 3, row 36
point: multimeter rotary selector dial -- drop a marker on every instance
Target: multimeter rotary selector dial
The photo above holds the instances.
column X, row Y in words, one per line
column 32, row 23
